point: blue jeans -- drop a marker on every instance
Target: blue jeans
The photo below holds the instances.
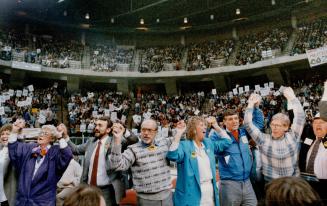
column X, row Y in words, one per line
column 236, row 193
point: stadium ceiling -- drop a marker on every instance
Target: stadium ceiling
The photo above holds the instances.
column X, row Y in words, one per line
column 158, row 15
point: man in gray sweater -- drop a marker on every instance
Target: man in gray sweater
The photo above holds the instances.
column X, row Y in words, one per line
column 147, row 159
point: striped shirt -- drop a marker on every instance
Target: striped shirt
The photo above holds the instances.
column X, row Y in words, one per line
column 279, row 156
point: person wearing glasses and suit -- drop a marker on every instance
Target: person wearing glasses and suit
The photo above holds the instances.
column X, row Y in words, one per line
column 96, row 150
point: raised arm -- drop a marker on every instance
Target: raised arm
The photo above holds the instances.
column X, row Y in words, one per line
column 251, row 128
column 176, row 152
column 323, row 104
column 18, row 150
column 299, row 116
column 117, row 160
column 63, row 158
column 221, row 139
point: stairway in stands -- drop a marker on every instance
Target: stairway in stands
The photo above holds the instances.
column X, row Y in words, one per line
column 232, row 57
column 62, row 114
column 86, row 59
column 184, row 59
column 290, row 43
column 136, row 60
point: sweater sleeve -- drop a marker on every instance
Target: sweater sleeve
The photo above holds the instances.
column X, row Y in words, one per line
column 119, row 161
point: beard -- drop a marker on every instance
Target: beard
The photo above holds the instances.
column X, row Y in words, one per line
column 99, row 134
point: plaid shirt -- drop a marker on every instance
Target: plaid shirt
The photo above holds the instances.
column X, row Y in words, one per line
column 279, row 156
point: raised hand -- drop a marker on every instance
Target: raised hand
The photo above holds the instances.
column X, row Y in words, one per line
column 62, row 130
column 118, row 130
column 254, row 100
column 180, row 128
column 18, row 126
column 289, row 93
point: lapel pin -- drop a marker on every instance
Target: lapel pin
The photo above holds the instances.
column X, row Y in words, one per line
column 193, row 154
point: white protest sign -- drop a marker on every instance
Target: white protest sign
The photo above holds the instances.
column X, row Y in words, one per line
column 113, row 116
column 11, row 92
column 235, row 91
column 214, row 91
column 266, row 85
column 240, row 90
column 31, row 88
column 19, row 93
column 317, row 56
column 247, row 88
column 25, row 92
column 107, row 112
column 2, row 110
column 271, row 85
column 257, row 87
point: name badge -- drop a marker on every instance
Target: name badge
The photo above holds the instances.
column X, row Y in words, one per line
column 245, row 140
column 308, row 141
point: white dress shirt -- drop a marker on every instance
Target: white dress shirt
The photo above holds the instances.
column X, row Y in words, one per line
column 207, row 194
column 102, row 176
column 320, row 164
column 4, row 162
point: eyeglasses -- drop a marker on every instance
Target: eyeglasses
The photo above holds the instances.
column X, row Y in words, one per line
column 44, row 133
column 278, row 126
column 148, row 130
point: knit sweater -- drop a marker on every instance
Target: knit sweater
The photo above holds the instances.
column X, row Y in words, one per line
column 150, row 170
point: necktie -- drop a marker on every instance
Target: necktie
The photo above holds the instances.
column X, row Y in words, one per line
column 94, row 173
column 310, row 168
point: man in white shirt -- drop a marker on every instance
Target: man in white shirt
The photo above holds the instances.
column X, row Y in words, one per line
column 96, row 170
column 316, row 161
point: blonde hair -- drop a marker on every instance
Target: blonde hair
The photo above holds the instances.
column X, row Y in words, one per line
column 191, row 126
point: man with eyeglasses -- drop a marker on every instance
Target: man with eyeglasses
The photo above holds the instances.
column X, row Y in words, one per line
column 147, row 159
column 280, row 149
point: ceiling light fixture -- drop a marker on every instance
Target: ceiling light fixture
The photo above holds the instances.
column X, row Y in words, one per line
column 212, row 17
column 87, row 16
column 238, row 11
column 141, row 21
column 273, row 2
column 185, row 20
column 158, row 20
column 112, row 20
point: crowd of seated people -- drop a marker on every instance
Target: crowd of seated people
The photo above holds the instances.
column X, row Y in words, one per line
column 311, row 35
column 199, row 55
column 106, row 58
column 153, row 59
column 37, row 106
column 11, row 41
column 252, row 45
column 84, row 109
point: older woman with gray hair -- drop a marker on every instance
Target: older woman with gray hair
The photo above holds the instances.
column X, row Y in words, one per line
column 280, row 149
column 39, row 165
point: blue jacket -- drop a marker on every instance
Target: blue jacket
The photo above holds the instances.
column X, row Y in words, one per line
column 188, row 190
column 235, row 162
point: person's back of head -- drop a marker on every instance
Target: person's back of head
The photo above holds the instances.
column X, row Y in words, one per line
column 291, row 191
column 85, row 195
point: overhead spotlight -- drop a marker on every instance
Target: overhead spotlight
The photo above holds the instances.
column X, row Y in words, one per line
column 60, row 1
column 158, row 20
column 87, row 16
column 273, row 2
column 238, row 11
column 112, row 20
column 141, row 21
column 65, row 13
column 212, row 17
column 185, row 20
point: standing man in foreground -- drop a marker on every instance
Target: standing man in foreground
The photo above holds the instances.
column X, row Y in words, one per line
column 147, row 158
column 96, row 170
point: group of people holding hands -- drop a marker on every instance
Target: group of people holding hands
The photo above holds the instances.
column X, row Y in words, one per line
column 215, row 165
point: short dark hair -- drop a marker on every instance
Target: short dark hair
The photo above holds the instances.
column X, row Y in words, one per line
column 291, row 191
column 107, row 119
column 84, row 195
column 229, row 112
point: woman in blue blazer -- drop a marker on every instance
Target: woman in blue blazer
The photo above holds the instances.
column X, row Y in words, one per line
column 196, row 167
